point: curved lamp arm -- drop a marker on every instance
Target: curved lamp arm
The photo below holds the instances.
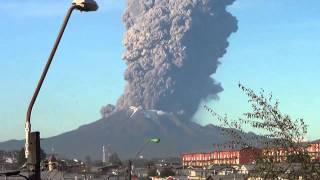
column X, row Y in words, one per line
column 43, row 75
column 152, row 140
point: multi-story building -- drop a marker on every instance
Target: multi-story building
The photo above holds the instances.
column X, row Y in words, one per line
column 314, row 151
column 244, row 156
column 281, row 154
column 230, row 157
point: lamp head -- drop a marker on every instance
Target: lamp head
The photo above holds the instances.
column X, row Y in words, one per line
column 154, row 140
column 85, row 5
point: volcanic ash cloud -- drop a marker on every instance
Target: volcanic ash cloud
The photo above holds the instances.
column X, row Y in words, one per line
column 172, row 48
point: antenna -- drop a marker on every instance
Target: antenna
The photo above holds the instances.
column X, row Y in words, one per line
column 103, row 155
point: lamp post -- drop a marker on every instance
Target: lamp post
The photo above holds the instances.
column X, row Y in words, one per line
column 32, row 144
column 151, row 140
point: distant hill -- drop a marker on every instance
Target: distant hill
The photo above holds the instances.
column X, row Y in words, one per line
column 126, row 135
column 316, row 141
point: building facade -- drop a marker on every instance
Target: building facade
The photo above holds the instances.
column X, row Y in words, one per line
column 229, row 157
column 314, row 151
column 243, row 156
column 281, row 154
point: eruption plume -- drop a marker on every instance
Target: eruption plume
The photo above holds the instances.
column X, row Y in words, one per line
column 172, row 49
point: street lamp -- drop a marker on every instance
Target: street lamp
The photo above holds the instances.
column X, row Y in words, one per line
column 151, row 140
column 85, row 5
column 33, row 139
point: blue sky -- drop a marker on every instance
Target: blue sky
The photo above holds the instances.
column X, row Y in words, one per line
column 276, row 48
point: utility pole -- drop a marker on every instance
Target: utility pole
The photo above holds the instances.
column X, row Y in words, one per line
column 34, row 158
column 130, row 169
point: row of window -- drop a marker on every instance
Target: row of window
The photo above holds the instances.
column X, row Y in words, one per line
column 209, row 158
column 211, row 162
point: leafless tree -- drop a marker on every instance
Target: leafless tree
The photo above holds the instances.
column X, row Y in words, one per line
column 281, row 138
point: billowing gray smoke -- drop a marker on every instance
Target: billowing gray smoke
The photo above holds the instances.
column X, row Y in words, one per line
column 172, row 48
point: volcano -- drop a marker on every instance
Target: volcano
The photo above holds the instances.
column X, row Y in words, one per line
column 172, row 51
column 125, row 134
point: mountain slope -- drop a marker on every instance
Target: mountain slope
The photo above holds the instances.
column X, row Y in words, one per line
column 126, row 135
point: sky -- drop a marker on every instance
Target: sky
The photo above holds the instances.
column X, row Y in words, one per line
column 276, row 48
